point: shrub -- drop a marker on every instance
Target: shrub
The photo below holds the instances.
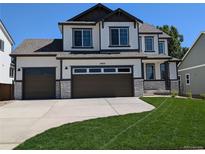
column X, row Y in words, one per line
column 174, row 93
column 202, row 96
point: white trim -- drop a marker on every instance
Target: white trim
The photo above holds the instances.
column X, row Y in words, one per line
column 186, row 78
column 102, row 70
column 190, row 68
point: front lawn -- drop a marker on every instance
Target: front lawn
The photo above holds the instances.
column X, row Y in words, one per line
column 174, row 124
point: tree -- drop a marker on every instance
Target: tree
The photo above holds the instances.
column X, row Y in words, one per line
column 175, row 48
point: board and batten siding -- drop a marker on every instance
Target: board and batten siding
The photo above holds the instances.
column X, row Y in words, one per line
column 22, row 62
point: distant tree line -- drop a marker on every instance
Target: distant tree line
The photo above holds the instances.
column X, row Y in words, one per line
column 175, row 48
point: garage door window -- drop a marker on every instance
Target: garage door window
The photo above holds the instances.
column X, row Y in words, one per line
column 103, row 70
column 80, row 70
column 95, row 70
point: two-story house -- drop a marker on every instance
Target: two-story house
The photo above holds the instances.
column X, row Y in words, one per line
column 6, row 68
column 102, row 53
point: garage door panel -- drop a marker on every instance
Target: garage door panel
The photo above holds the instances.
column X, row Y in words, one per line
column 102, row 85
column 39, row 83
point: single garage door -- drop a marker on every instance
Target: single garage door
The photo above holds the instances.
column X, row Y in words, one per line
column 38, row 83
column 102, row 82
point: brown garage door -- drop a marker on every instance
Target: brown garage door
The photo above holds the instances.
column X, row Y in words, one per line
column 102, row 85
column 39, row 83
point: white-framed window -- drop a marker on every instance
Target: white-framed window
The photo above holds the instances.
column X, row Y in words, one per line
column 1, row 45
column 119, row 36
column 150, row 71
column 187, row 79
column 82, row 38
column 102, row 70
column 161, row 47
column 149, row 43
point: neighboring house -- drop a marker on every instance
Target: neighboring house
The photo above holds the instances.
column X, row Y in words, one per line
column 102, row 53
column 6, row 68
column 192, row 68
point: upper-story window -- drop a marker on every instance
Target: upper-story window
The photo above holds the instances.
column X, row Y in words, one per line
column 140, row 43
column 149, row 44
column 1, row 45
column 82, row 38
column 161, row 47
column 119, row 36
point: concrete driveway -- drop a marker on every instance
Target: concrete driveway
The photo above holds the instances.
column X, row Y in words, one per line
column 21, row 120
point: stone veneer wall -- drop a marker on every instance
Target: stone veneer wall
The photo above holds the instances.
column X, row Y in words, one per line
column 138, row 87
column 58, row 89
column 18, row 90
column 65, row 87
column 154, row 85
column 174, row 84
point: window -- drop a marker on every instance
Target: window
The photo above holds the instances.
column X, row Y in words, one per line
column 11, row 72
column 82, row 38
column 140, row 43
column 150, row 72
column 119, row 36
column 149, row 44
column 109, row 70
column 187, row 79
column 125, row 70
column 162, row 71
column 161, row 47
column 95, row 70
column 80, row 70
column 1, row 45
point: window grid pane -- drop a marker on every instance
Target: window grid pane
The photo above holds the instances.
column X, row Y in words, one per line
column 78, row 38
column 149, row 43
column 123, row 36
column 161, row 47
column 87, row 38
column 114, row 36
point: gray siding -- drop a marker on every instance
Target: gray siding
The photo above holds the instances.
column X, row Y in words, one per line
column 197, row 84
column 196, row 56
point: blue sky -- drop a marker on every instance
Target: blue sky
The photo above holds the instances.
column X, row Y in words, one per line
column 41, row 20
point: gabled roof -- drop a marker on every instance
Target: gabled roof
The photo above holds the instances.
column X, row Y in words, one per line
column 121, row 12
column 33, row 46
column 186, row 54
column 5, row 31
column 100, row 6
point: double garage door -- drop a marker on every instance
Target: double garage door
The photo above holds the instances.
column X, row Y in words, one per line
column 102, row 82
column 87, row 82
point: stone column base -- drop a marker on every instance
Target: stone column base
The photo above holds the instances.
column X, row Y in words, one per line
column 18, row 90
column 58, row 90
column 174, row 85
column 65, row 87
column 138, row 87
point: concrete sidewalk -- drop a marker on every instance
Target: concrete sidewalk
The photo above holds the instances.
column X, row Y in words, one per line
column 21, row 120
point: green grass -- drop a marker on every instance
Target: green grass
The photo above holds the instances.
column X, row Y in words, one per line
column 175, row 124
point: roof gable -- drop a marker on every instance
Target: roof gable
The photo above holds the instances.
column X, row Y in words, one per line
column 195, row 55
column 120, row 15
column 95, row 13
column 6, row 33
